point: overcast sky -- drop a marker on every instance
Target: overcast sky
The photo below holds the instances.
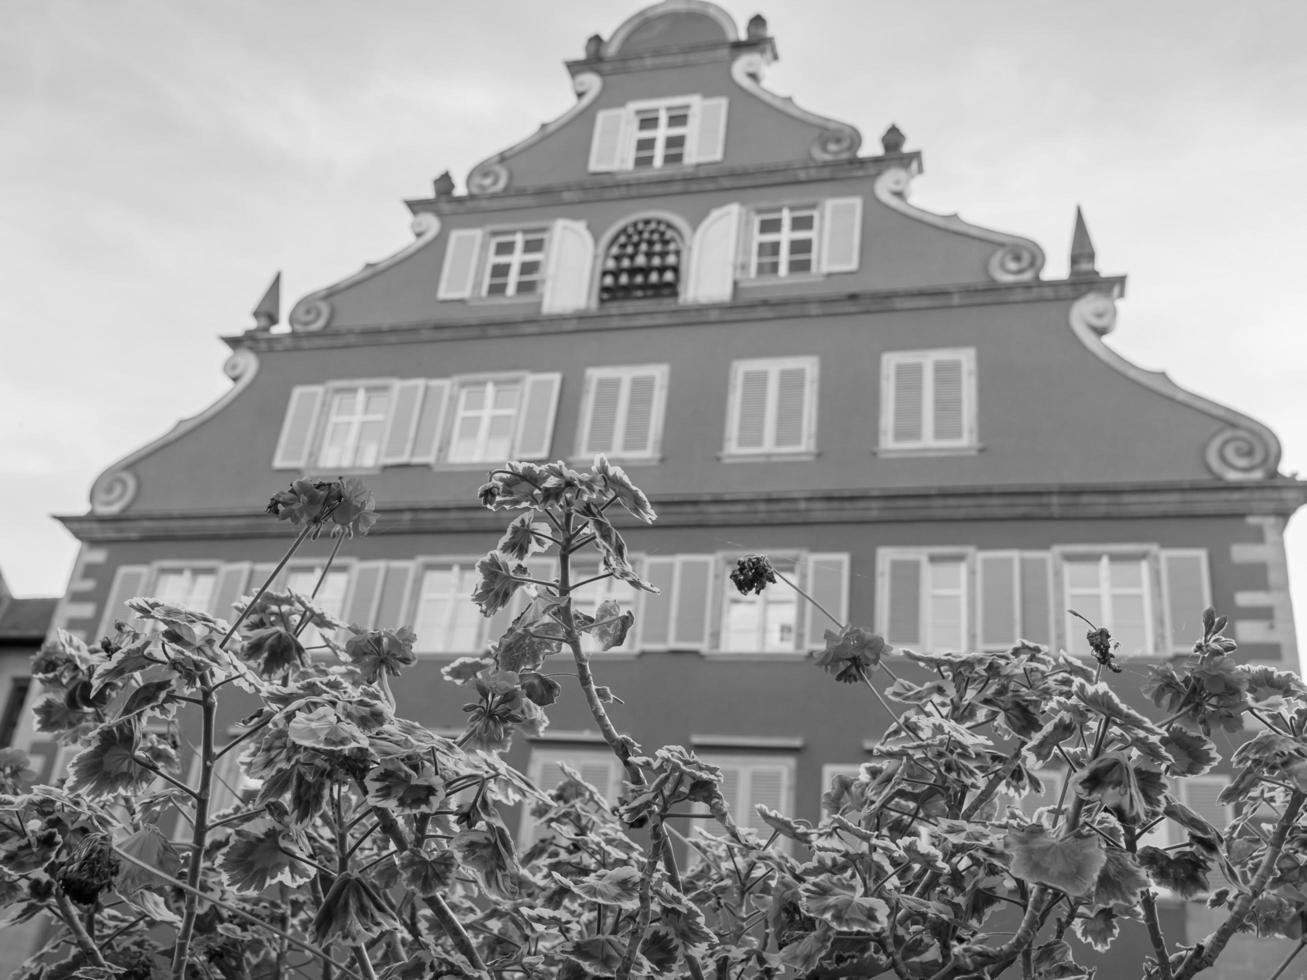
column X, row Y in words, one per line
column 161, row 159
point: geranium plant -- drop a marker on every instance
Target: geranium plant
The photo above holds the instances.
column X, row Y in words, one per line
column 376, row 849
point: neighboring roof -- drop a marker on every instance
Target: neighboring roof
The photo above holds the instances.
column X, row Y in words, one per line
column 25, row 619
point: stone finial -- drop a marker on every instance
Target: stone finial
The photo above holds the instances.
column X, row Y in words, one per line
column 594, row 47
column 268, row 313
column 892, row 140
column 1082, row 249
column 443, row 186
column 757, row 28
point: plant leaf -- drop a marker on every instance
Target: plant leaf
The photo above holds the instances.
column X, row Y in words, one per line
column 1071, row 863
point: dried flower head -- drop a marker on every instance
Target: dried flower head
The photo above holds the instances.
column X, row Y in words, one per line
column 753, row 573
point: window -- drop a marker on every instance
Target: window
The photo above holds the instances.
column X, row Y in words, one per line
column 598, row 767
column 13, row 709
column 515, row 263
column 784, row 242
column 750, row 780
column 928, row 399
column 485, row 418
column 643, row 261
column 354, row 425
column 924, row 598
column 1111, row 590
column 762, row 623
column 659, row 133
column 773, row 406
column 330, row 597
column 622, row 411
column 186, row 587
column 446, row 620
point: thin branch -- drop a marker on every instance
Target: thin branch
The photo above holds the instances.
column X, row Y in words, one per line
column 84, row 940
column 1288, row 959
column 826, row 612
column 646, row 898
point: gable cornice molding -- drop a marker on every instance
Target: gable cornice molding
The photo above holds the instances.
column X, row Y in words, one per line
column 115, row 489
column 313, row 312
column 630, row 184
column 677, row 315
column 493, row 176
column 1245, row 450
column 1190, row 498
column 1017, row 259
column 613, row 46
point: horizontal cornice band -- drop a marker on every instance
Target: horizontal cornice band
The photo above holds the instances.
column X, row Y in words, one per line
column 703, row 178
column 632, row 317
column 1071, row 502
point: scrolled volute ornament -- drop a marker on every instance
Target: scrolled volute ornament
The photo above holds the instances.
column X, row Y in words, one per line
column 1015, row 262
column 488, row 178
column 837, row 143
column 1238, row 454
column 310, row 314
column 113, row 491
column 1094, row 311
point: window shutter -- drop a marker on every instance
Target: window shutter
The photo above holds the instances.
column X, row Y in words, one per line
column 907, row 384
column 297, row 428
column 259, row 574
column 693, row 589
column 430, row 422
column 392, row 608
column 996, row 581
column 231, row 584
column 1184, row 580
column 712, row 257
column 732, row 786
column 750, row 429
column 710, row 142
column 637, row 434
column 1036, row 598
column 903, row 601
column 1201, row 794
column 826, row 579
column 654, row 622
column 397, row 445
column 535, row 421
column 461, row 254
column 791, row 407
column 948, row 398
column 841, row 234
column 567, row 270
column 603, row 400
column 607, row 147
column 362, row 608
column 768, row 786
column 128, row 583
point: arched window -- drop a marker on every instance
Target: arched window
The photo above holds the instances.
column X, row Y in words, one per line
column 643, row 262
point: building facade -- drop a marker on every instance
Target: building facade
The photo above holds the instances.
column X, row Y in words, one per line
column 726, row 295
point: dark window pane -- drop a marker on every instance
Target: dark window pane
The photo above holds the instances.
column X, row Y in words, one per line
column 769, row 250
column 802, row 222
column 503, row 246
column 534, row 244
column 801, row 246
column 499, row 288
column 677, row 156
column 648, row 121
column 800, row 264
column 529, row 268
column 769, row 225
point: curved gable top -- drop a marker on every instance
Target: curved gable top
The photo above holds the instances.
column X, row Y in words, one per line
column 669, row 25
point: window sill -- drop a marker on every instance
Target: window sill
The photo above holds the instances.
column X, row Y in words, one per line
column 908, row 452
column 772, row 656
column 531, row 299
column 762, row 282
column 803, row 455
column 587, row 460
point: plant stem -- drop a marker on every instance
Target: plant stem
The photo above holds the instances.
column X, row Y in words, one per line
column 1288, row 959
column 304, row 533
column 825, row 611
column 898, row 722
column 84, row 941
column 656, row 836
column 199, row 833
column 1205, row 953
column 304, row 620
column 365, row 964
column 1151, row 920
column 234, row 910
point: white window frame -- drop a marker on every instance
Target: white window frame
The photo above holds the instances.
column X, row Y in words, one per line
column 662, row 131
column 189, row 569
column 625, row 373
column 461, row 387
column 780, row 591
column 927, row 359
column 544, row 754
column 966, row 556
column 1146, row 555
column 785, row 237
column 774, row 366
column 518, row 236
column 466, row 572
column 357, row 420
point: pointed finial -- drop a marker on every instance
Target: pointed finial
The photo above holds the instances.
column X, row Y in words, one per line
column 1082, row 249
column 594, row 47
column 757, row 28
column 892, row 140
column 443, row 186
column 268, row 313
